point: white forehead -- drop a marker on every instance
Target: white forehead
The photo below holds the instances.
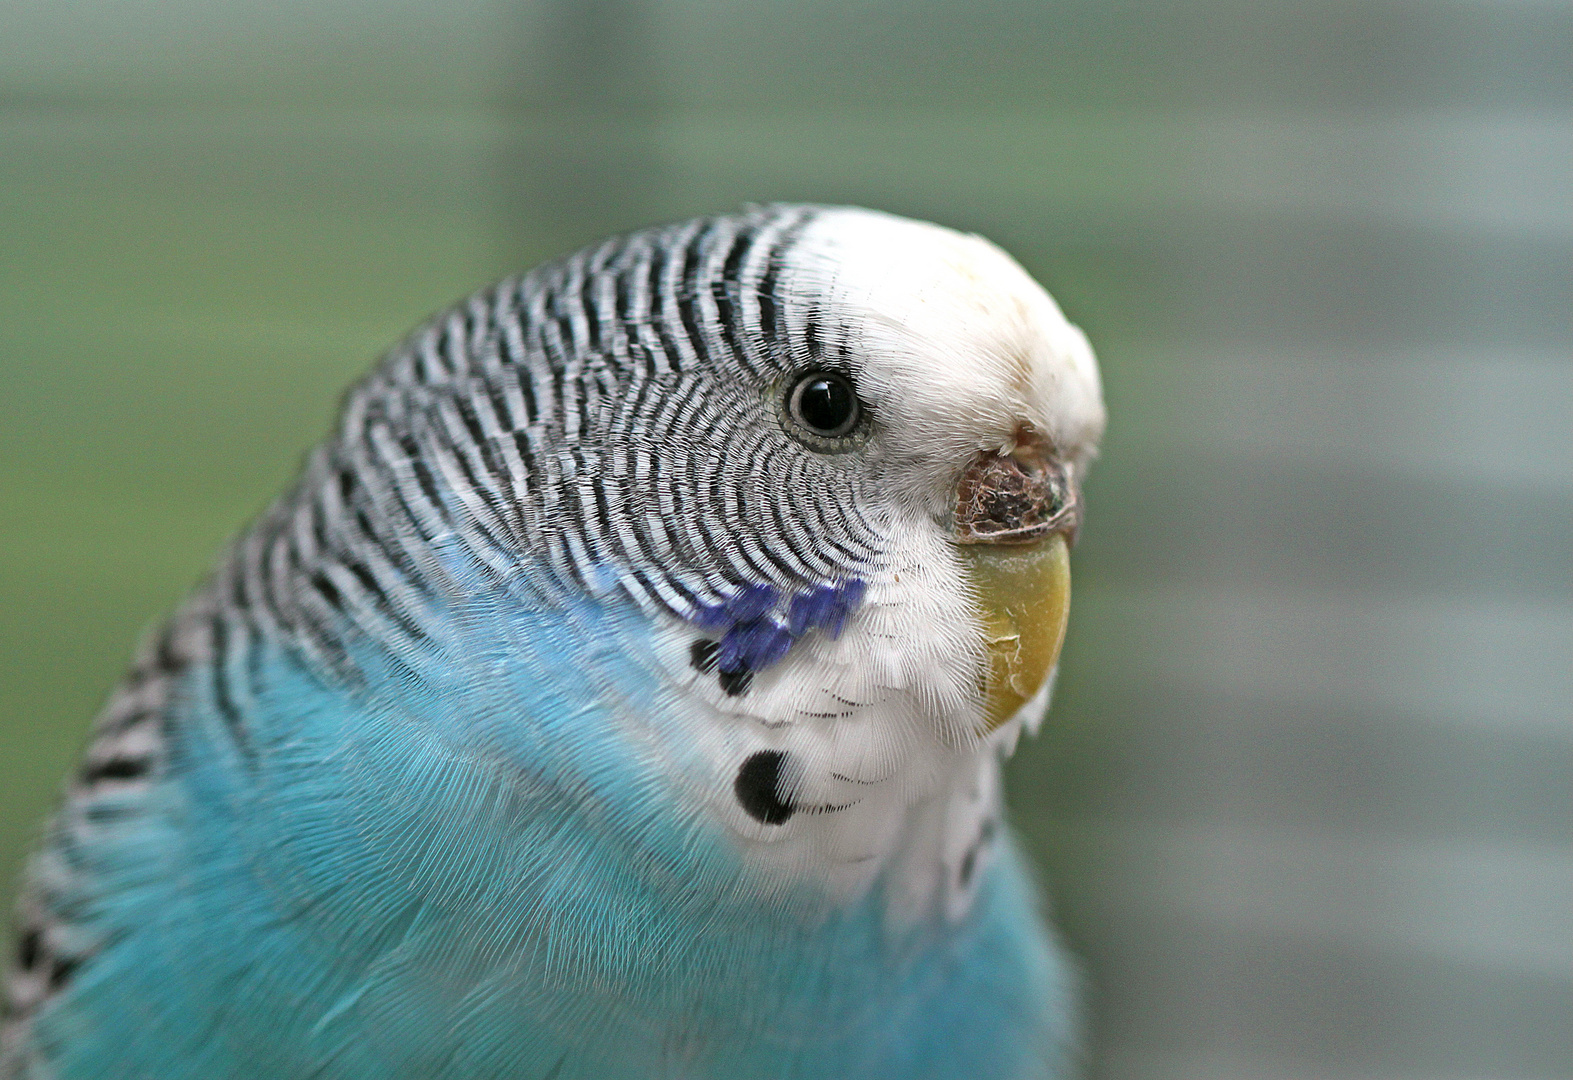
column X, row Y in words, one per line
column 956, row 344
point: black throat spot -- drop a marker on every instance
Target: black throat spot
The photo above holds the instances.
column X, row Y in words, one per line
column 702, row 658
column 758, row 788
column 702, row 655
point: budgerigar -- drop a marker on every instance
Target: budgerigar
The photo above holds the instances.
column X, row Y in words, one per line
column 620, row 693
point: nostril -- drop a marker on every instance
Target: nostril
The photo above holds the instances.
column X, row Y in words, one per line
column 1016, row 498
column 1012, row 497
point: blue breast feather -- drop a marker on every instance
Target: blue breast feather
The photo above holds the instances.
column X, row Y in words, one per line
column 465, row 867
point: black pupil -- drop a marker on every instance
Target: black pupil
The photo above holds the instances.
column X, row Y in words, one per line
column 826, row 403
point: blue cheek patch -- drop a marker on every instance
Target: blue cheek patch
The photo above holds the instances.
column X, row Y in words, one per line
column 826, row 608
column 752, row 640
column 753, row 645
column 746, row 606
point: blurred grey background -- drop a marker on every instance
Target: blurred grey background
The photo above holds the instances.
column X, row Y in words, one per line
column 1305, row 800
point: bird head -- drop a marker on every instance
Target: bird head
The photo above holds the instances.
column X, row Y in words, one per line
column 827, row 460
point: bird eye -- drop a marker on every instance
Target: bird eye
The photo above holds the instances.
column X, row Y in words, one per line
column 824, row 403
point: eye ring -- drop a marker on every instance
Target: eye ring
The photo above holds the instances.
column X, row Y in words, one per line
column 824, row 404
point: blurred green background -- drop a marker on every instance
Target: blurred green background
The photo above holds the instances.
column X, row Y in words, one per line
column 1305, row 800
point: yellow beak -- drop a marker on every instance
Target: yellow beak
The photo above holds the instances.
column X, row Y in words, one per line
column 1023, row 595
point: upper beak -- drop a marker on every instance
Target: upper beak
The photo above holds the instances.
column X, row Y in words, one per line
column 1016, row 515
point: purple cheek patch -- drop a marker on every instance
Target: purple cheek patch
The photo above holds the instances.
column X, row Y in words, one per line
column 751, row 603
column 748, row 605
column 810, row 609
column 848, row 597
column 826, row 608
column 753, row 645
column 751, row 641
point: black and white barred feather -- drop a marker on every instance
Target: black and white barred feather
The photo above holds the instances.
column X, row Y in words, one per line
column 614, row 415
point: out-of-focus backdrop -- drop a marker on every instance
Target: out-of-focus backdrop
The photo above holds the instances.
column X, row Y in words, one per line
column 1305, row 799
